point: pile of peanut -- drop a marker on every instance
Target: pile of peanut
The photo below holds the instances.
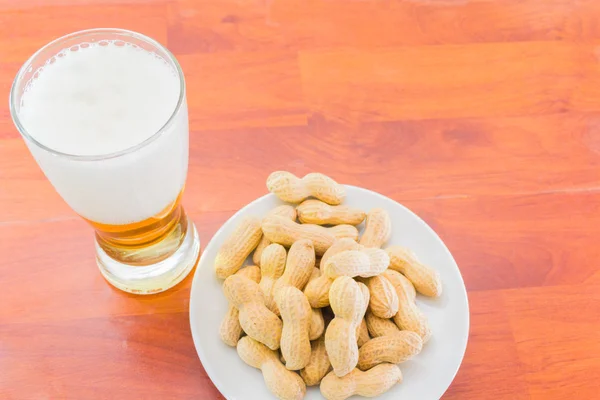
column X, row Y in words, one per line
column 321, row 305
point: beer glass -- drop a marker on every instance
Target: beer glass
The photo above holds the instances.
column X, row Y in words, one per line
column 104, row 114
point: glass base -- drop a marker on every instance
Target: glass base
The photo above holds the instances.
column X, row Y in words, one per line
column 153, row 278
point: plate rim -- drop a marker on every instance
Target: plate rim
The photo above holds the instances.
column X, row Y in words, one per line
column 200, row 352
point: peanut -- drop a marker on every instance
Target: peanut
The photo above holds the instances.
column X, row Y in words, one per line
column 262, row 245
column 344, row 231
column 298, row 267
column 283, row 231
column 281, row 357
column 317, row 290
column 380, row 326
column 295, row 313
column 251, row 272
column 409, row 317
column 362, row 333
column 316, row 272
column 397, row 278
column 284, row 211
column 393, row 349
column 283, row 383
column 317, row 322
column 384, row 300
column 272, row 267
column 256, row 319
column 365, row 263
column 318, row 365
column 237, row 247
column 320, row 213
column 288, row 187
column 378, row 228
column 338, row 246
column 426, row 280
column 230, row 329
column 347, row 303
column 371, row 383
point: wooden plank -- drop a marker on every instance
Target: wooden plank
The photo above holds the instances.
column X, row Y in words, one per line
column 205, row 26
column 450, row 81
column 556, row 333
column 39, row 25
column 519, row 241
column 263, row 90
column 107, row 357
column 490, row 338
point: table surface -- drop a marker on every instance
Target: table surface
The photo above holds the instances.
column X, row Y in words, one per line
column 481, row 116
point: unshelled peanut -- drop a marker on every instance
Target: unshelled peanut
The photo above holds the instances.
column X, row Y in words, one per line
column 316, row 272
column 320, row 213
column 426, row 280
column 272, row 267
column 344, row 231
column 256, row 319
column 318, row 365
column 298, row 267
column 394, row 349
column 296, row 314
column 347, row 303
column 283, row 231
column 317, row 323
column 237, row 247
column 230, row 330
column 364, row 263
column 288, row 187
column 397, row 278
column 317, row 290
column 338, row 246
column 371, row 383
column 362, row 332
column 384, row 300
column 409, row 317
column 286, row 211
column 378, row 228
column 283, row 383
column 251, row 272
column 380, row 326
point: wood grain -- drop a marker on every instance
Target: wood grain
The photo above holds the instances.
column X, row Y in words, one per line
column 481, row 116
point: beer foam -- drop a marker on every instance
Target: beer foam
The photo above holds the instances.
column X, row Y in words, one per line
column 99, row 98
column 95, row 99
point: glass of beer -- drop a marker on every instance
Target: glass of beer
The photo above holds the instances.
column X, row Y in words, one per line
column 104, row 114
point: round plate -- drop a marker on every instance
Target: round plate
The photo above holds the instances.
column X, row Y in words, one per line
column 426, row 377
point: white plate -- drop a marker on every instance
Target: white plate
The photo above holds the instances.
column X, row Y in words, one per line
column 426, row 377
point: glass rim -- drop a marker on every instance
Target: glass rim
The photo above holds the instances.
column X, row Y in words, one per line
column 125, row 32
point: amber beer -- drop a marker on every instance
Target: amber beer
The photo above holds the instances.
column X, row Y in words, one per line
column 104, row 114
column 144, row 242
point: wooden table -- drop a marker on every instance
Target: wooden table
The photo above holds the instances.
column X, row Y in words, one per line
column 481, row 116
